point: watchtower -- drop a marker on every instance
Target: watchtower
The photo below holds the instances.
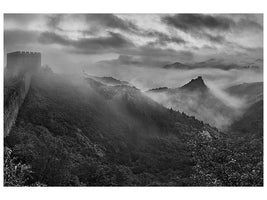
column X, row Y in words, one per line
column 20, row 62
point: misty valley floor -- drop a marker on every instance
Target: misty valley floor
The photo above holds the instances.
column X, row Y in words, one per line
column 100, row 132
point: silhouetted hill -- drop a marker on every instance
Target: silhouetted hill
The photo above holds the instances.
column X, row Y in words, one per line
column 160, row 89
column 195, row 99
column 177, row 65
column 217, row 64
column 110, row 80
column 195, row 85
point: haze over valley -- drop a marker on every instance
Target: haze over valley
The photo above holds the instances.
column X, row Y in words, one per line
column 133, row 100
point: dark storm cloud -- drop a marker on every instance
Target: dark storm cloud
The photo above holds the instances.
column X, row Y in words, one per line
column 199, row 25
column 162, row 38
column 208, row 27
column 112, row 21
column 98, row 20
column 245, row 23
column 118, row 44
column 187, row 22
column 114, row 41
column 148, row 39
column 216, row 39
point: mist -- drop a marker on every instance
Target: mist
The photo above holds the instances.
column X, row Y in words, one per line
column 229, row 100
column 217, row 80
column 146, row 78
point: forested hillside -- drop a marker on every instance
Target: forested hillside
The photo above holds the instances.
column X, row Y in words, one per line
column 91, row 134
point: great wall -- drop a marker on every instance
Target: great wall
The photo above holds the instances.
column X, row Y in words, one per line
column 20, row 67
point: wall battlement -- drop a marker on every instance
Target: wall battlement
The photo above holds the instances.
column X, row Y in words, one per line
column 24, row 53
column 20, row 62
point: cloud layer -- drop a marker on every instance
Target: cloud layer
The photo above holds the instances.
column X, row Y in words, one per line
column 151, row 40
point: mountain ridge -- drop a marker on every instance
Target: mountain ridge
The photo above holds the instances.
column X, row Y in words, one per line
column 216, row 64
column 194, row 98
column 76, row 134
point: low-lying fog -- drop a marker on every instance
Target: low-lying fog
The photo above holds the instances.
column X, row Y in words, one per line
column 146, row 78
column 217, row 80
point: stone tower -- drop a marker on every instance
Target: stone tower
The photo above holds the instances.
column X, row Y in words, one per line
column 20, row 62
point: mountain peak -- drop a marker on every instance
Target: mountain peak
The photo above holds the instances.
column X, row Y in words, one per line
column 195, row 84
column 176, row 65
column 199, row 78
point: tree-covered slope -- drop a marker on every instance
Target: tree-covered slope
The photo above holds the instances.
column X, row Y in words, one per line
column 89, row 133
column 72, row 134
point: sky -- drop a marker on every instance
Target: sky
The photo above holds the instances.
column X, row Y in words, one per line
column 69, row 41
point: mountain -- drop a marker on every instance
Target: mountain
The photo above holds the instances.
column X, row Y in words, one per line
column 111, row 81
column 217, row 64
column 251, row 92
column 244, row 128
column 94, row 134
column 195, row 99
column 251, row 122
column 177, row 65
column 108, row 80
column 195, row 85
column 160, row 89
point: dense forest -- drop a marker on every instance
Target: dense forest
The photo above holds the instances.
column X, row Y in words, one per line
column 94, row 134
